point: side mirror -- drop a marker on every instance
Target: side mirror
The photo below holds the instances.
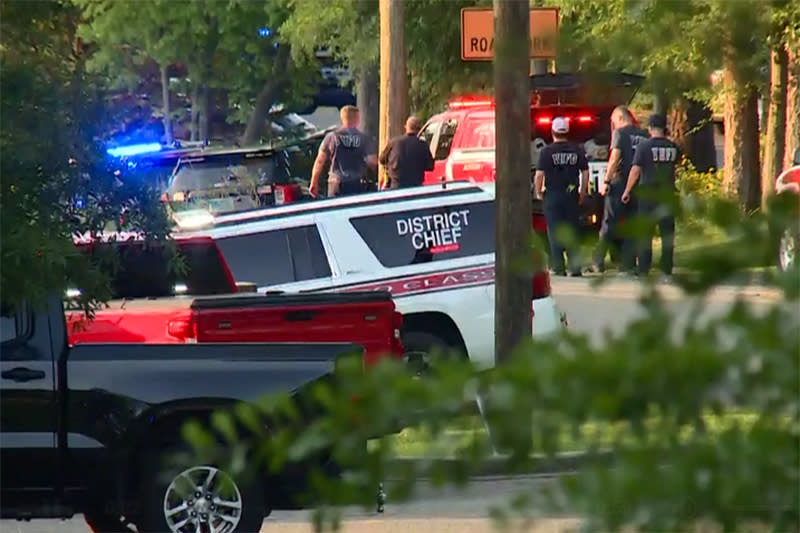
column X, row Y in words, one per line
column 797, row 157
column 246, row 286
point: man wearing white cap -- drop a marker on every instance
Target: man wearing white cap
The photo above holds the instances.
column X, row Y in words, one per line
column 562, row 180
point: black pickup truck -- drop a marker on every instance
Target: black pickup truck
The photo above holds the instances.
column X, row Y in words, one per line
column 86, row 429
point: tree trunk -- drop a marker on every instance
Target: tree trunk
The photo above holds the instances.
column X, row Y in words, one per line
column 195, row 115
column 205, row 114
column 659, row 103
column 165, row 104
column 259, row 115
column 689, row 124
column 393, row 78
column 792, row 141
column 742, row 169
column 512, row 319
column 774, row 143
column 367, row 99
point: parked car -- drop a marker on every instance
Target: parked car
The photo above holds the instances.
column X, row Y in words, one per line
column 788, row 182
column 431, row 247
column 462, row 138
column 153, row 303
column 94, row 428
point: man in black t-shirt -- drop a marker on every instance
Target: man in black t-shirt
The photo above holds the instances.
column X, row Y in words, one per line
column 653, row 168
column 562, row 170
column 350, row 152
column 406, row 157
column 624, row 138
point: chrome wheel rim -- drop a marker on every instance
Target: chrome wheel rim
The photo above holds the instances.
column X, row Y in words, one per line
column 202, row 499
column 787, row 250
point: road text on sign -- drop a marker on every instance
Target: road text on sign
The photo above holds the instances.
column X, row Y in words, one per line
column 477, row 33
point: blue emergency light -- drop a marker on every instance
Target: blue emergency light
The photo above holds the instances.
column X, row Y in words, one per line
column 134, row 149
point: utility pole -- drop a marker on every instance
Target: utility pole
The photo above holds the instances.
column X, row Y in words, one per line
column 512, row 320
column 393, row 76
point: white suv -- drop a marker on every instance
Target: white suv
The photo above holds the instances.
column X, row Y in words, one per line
column 432, row 248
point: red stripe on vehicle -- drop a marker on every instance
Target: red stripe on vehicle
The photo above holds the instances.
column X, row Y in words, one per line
column 429, row 282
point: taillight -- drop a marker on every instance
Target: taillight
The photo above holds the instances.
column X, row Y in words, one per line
column 584, row 119
column 183, row 327
column 543, row 121
column 540, row 284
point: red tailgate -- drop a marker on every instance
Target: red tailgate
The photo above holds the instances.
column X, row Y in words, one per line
column 127, row 322
column 367, row 319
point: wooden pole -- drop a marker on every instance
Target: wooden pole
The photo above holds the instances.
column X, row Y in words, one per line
column 513, row 189
column 393, row 76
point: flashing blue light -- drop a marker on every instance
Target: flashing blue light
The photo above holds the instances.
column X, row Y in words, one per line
column 264, row 32
column 134, row 149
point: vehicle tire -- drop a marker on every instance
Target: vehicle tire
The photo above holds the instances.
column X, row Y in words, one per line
column 222, row 499
column 418, row 349
column 788, row 248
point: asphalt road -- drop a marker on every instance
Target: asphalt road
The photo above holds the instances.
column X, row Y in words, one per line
column 432, row 510
column 610, row 307
column 592, row 310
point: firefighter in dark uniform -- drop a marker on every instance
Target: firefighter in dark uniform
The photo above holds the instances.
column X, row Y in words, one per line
column 562, row 172
column 624, row 138
column 349, row 152
column 653, row 169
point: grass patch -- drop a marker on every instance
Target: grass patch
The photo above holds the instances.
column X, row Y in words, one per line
column 465, row 432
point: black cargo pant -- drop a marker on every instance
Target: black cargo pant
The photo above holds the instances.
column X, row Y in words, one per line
column 344, row 188
column 611, row 235
column 656, row 215
column 561, row 211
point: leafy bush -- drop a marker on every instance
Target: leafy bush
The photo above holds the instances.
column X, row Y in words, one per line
column 702, row 417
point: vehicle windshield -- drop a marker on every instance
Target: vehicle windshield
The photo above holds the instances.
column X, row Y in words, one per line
column 139, row 271
column 205, row 174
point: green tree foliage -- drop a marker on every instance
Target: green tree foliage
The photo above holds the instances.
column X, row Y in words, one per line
column 52, row 158
column 706, row 406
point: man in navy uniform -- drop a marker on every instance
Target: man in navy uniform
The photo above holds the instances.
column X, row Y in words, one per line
column 653, row 169
column 624, row 138
column 562, row 171
column 350, row 152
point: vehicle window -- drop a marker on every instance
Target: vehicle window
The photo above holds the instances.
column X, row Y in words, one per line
column 445, row 139
column 429, row 131
column 276, row 257
column 14, row 325
column 479, row 134
column 225, row 172
column 308, row 255
column 8, row 328
column 139, row 271
column 425, row 235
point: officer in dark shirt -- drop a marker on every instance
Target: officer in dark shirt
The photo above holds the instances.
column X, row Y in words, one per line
column 563, row 171
column 653, row 168
column 407, row 157
column 624, row 138
column 349, row 152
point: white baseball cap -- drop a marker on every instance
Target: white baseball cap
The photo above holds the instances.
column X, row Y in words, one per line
column 560, row 125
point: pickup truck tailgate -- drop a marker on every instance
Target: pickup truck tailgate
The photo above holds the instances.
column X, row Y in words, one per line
column 367, row 319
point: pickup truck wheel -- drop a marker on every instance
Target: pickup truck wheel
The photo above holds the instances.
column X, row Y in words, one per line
column 419, row 345
column 200, row 498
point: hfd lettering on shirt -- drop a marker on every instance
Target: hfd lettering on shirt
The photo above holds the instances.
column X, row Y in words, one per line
column 664, row 154
column 348, row 141
column 565, row 159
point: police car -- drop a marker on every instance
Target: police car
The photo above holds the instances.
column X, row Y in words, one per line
column 431, row 247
